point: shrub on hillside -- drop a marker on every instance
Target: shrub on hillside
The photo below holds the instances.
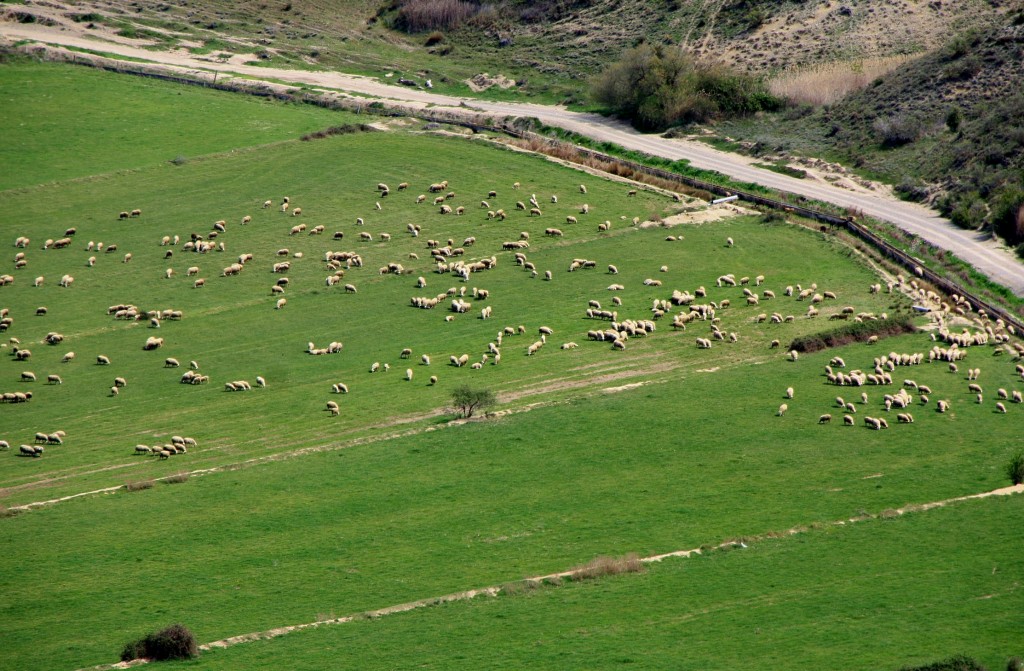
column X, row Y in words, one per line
column 659, row 87
column 173, row 642
column 1008, row 216
column 896, row 130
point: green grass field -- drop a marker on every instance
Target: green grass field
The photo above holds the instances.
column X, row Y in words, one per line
column 908, row 600
column 66, row 122
column 657, row 448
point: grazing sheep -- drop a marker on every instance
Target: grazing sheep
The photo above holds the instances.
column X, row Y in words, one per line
column 1000, row 408
column 789, row 392
column 793, row 355
column 113, row 391
column 54, row 379
column 281, row 302
column 942, row 406
column 825, row 419
column 782, row 410
column 583, row 188
column 729, row 242
column 143, row 449
column 31, row 451
column 120, row 382
column 260, row 382
column 67, row 357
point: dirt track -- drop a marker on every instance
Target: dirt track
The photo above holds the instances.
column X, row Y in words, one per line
column 975, row 248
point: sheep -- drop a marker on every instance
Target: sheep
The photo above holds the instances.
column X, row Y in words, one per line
column 281, row 302
column 782, row 410
column 350, row 288
column 905, row 418
column 114, row 391
column 789, row 392
column 1002, row 393
column 28, row 376
column 120, row 382
column 143, row 449
column 825, row 419
column 729, row 242
column 1000, row 408
column 942, row 406
column 31, row 451
column 260, row 382
column 153, row 343
column 102, row 360
column 793, row 355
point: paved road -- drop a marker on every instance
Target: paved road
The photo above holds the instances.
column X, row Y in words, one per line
column 975, row 248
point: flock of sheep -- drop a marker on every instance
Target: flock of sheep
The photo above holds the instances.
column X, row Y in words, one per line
column 983, row 332
column 686, row 308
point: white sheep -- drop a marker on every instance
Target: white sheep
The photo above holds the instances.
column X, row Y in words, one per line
column 782, row 410
column 281, row 302
column 789, row 392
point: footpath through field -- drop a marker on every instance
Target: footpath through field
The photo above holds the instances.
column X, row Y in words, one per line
column 976, row 248
column 572, row 574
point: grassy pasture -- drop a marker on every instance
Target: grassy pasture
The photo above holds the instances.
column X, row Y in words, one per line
column 880, row 594
column 653, row 469
column 231, row 328
column 693, row 456
column 66, row 122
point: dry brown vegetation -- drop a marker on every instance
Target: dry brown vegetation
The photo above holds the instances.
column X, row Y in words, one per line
column 825, row 83
column 604, row 566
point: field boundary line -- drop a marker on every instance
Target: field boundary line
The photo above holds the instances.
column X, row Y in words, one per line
column 578, row 573
column 357, row 442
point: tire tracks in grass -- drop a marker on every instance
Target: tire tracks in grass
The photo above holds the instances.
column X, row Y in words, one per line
column 553, row 579
column 613, row 372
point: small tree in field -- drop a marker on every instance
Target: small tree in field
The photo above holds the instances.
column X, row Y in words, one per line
column 466, row 401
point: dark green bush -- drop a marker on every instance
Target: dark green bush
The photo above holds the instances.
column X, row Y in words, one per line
column 956, row 663
column 1015, row 468
column 658, row 87
column 854, row 332
column 173, row 642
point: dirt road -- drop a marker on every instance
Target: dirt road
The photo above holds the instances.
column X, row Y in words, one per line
column 977, row 249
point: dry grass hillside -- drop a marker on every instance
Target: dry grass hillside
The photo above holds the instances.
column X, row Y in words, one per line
column 564, row 41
